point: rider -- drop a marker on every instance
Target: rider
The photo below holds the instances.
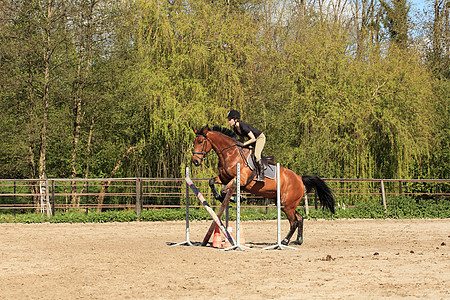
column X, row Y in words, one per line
column 256, row 139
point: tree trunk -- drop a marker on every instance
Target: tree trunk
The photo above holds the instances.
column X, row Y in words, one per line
column 31, row 137
column 105, row 184
column 46, row 88
column 84, row 58
column 76, row 129
column 447, row 29
column 88, row 153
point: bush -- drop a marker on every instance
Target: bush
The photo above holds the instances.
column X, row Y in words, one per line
column 404, row 208
column 397, row 208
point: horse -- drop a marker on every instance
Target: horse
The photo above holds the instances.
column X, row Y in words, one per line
column 292, row 186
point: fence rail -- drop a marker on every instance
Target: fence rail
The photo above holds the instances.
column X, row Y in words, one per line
column 25, row 195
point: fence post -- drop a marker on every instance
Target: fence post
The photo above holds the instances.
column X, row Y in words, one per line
column 14, row 208
column 383, row 196
column 315, row 199
column 47, row 199
column 436, row 199
column 306, row 203
column 87, row 197
column 53, row 198
column 138, row 198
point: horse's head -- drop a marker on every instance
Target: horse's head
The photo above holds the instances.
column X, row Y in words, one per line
column 202, row 146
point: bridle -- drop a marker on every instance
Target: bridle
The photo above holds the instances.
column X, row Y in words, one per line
column 205, row 145
column 203, row 153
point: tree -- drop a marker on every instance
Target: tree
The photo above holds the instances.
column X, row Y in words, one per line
column 84, row 81
column 395, row 19
column 366, row 16
column 438, row 52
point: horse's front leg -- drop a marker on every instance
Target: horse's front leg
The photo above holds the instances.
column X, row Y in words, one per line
column 224, row 191
column 216, row 194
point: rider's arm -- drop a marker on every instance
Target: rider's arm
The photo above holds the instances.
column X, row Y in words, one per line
column 252, row 138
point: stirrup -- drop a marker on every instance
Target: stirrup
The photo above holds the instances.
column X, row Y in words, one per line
column 261, row 177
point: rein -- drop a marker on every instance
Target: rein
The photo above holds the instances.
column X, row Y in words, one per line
column 241, row 152
column 204, row 154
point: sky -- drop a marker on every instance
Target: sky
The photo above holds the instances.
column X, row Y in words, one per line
column 418, row 4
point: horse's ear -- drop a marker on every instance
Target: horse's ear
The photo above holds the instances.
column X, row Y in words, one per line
column 204, row 130
column 195, row 130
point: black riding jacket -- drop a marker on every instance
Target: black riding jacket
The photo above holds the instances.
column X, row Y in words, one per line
column 245, row 129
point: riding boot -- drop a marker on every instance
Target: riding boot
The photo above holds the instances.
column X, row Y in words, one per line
column 260, row 171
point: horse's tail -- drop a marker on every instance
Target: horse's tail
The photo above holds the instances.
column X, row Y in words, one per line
column 323, row 191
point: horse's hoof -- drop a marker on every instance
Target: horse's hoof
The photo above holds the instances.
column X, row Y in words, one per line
column 233, row 199
column 285, row 242
column 299, row 241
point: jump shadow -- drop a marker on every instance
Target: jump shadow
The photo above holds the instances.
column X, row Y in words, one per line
column 199, row 244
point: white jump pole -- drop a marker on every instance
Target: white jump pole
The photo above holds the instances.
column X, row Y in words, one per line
column 187, row 241
column 278, row 245
column 238, row 212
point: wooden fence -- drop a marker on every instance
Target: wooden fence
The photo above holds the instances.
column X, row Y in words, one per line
column 51, row 195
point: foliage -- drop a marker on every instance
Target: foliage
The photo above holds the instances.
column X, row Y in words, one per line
column 404, row 208
column 84, row 85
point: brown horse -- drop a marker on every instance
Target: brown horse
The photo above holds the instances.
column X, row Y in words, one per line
column 292, row 186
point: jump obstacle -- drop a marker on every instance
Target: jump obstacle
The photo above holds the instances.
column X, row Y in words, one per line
column 187, row 241
column 238, row 245
column 220, row 212
column 278, row 245
column 216, row 217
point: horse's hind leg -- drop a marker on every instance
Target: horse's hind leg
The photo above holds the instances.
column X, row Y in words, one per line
column 290, row 214
column 300, row 228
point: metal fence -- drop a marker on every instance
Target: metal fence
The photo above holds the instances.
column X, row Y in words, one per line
column 51, row 195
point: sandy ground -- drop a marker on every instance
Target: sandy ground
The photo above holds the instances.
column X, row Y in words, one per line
column 340, row 259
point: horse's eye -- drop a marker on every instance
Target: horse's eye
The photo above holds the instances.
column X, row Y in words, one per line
column 201, row 141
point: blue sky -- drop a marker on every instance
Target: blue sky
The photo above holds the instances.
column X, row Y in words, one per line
column 418, row 4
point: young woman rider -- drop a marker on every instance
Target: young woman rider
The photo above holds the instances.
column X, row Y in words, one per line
column 255, row 137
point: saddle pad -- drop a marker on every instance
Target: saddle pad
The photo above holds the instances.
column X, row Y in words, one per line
column 269, row 170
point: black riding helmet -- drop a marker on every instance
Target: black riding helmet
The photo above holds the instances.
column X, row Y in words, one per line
column 233, row 114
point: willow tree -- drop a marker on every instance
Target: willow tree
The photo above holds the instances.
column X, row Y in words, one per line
column 190, row 61
column 336, row 115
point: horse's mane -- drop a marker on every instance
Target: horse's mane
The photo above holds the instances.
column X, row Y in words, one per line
column 222, row 130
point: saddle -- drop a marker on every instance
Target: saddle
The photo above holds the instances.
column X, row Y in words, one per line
column 268, row 163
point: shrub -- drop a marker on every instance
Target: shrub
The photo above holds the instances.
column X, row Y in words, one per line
column 397, row 208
